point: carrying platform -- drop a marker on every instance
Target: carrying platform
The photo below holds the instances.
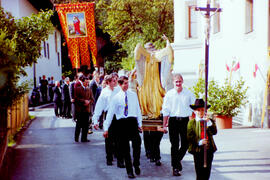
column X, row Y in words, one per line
column 152, row 125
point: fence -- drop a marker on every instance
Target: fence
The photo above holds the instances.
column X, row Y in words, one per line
column 10, row 121
column 17, row 115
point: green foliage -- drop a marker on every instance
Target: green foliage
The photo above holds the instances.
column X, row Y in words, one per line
column 20, row 45
column 132, row 21
column 11, row 141
column 67, row 73
column 224, row 99
column 129, row 22
column 113, row 63
column 32, row 30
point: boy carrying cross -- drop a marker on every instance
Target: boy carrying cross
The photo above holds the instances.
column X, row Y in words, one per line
column 197, row 139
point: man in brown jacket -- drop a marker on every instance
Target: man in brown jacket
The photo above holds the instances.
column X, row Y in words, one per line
column 81, row 105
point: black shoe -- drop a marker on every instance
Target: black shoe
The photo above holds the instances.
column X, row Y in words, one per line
column 180, row 166
column 120, row 165
column 158, row 163
column 109, row 163
column 176, row 172
column 137, row 170
column 152, row 160
column 131, row 175
column 87, row 140
column 76, row 140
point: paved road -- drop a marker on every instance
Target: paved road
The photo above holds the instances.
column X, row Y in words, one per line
column 47, row 151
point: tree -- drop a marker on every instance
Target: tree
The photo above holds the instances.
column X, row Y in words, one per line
column 132, row 21
column 20, row 46
column 129, row 22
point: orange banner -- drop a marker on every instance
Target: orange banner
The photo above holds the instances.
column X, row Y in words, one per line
column 78, row 24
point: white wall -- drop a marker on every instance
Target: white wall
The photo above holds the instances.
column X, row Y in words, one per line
column 187, row 52
column 232, row 42
column 44, row 66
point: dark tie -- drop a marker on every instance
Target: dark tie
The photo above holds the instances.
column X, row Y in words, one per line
column 126, row 105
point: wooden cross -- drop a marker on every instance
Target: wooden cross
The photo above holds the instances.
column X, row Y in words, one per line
column 207, row 10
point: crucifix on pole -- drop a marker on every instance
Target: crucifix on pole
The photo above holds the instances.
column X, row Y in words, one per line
column 207, row 15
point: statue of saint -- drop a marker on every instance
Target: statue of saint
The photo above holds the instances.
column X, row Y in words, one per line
column 154, row 76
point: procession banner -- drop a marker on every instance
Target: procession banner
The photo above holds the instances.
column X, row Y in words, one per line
column 78, row 24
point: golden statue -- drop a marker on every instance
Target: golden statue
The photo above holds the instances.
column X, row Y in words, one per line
column 154, row 76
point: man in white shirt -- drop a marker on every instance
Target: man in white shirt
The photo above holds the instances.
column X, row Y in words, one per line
column 176, row 111
column 102, row 105
column 125, row 106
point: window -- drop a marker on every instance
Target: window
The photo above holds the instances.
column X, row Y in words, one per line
column 192, row 22
column 48, row 50
column 55, row 39
column 44, row 49
column 58, row 57
column 216, row 18
column 249, row 16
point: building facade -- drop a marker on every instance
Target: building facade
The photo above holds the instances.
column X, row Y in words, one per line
column 50, row 63
column 239, row 39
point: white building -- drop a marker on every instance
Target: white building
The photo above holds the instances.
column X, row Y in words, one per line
column 49, row 64
column 240, row 33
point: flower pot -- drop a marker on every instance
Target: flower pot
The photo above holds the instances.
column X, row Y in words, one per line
column 223, row 122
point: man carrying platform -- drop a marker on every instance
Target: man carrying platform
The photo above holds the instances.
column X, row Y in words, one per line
column 153, row 70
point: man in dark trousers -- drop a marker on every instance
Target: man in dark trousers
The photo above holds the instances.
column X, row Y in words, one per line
column 152, row 145
column 57, row 99
column 51, row 86
column 176, row 113
column 125, row 106
column 66, row 99
column 71, row 94
column 94, row 85
column 102, row 105
column 81, row 104
column 44, row 89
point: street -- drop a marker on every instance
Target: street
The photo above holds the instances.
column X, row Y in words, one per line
column 47, row 151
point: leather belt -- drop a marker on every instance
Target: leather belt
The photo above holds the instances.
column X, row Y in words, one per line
column 179, row 118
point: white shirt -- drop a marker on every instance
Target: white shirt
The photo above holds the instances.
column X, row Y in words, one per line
column 177, row 104
column 117, row 107
column 117, row 89
column 103, row 103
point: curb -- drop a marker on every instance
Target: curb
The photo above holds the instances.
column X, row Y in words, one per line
column 41, row 106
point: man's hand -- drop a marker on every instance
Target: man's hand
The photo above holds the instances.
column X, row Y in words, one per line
column 86, row 102
column 140, row 129
column 105, row 134
column 72, row 100
column 165, row 129
column 204, row 142
column 192, row 116
column 164, row 37
column 96, row 126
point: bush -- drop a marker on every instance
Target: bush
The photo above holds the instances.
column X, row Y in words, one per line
column 224, row 99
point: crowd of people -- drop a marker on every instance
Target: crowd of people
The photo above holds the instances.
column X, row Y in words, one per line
column 111, row 103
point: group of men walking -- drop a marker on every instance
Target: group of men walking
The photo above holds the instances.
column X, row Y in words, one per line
column 120, row 109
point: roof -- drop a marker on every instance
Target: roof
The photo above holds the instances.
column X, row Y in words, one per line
column 42, row 4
